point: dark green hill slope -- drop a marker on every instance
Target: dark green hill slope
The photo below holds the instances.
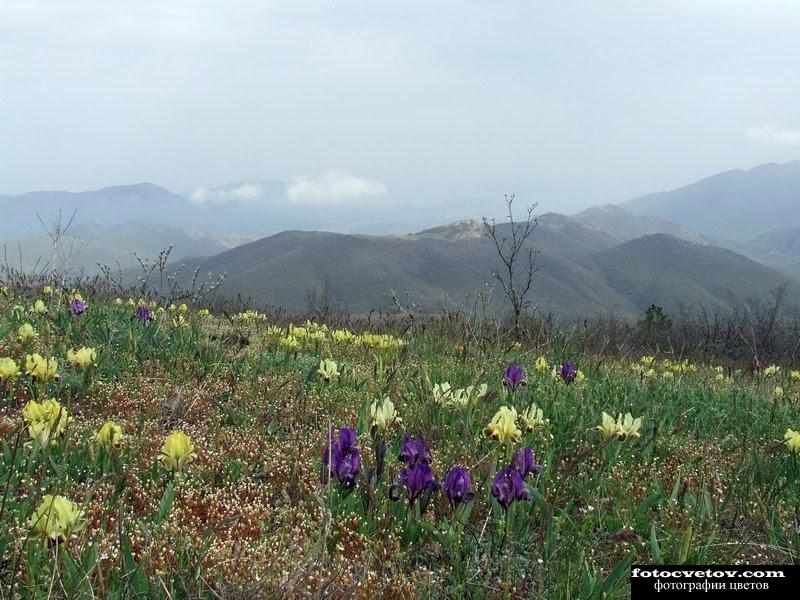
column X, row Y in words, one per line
column 580, row 270
column 665, row 270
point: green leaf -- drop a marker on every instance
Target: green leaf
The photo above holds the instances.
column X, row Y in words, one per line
column 676, row 488
column 654, row 547
column 708, row 503
column 648, row 503
column 165, row 505
column 686, row 544
column 133, row 572
column 617, row 573
column 796, row 547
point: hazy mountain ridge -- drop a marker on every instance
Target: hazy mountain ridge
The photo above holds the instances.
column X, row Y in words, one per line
column 245, row 208
column 107, row 206
column 734, row 205
column 578, row 257
column 86, row 245
column 580, row 270
column 753, row 212
column 673, row 272
column 783, row 241
column 624, row 225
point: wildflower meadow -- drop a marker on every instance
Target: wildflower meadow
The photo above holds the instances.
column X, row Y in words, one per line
column 155, row 450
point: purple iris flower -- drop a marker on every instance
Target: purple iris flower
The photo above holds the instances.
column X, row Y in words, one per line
column 568, row 372
column 508, row 487
column 514, row 376
column 77, row 306
column 417, row 480
column 144, row 314
column 456, row 486
column 414, row 450
column 344, row 458
column 524, row 462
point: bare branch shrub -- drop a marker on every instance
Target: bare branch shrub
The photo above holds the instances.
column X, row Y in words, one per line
column 519, row 265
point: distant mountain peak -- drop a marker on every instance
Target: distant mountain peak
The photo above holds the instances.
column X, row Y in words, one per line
column 735, row 205
column 465, row 229
column 141, row 186
column 622, row 224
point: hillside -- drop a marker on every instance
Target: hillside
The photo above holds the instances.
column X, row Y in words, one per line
column 665, row 270
column 113, row 245
column 242, row 208
column 782, row 241
column 734, row 205
column 107, row 206
column 580, row 270
column 624, row 225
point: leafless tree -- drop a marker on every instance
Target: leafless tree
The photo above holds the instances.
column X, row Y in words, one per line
column 516, row 254
column 174, row 286
column 65, row 249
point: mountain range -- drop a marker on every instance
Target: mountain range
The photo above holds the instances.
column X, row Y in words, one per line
column 252, row 209
column 580, row 270
column 735, row 205
column 86, row 246
column 716, row 242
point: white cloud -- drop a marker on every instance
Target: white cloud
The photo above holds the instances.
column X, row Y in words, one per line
column 769, row 134
column 242, row 193
column 334, row 188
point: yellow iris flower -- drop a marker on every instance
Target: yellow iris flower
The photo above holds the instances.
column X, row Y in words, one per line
column 541, row 365
column 8, row 369
column 343, row 336
column 383, row 415
column 82, row 359
column 445, row 395
column 177, row 451
column 109, row 437
column 623, row 428
column 473, row 393
column 381, row 341
column 40, row 368
column 533, row 417
column 26, row 333
column 792, row 438
column 45, row 420
column 328, row 369
column 289, row 343
column 607, row 427
column 442, row 393
column 56, row 519
column 503, row 426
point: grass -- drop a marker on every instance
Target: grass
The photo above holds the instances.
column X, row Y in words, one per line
column 709, row 479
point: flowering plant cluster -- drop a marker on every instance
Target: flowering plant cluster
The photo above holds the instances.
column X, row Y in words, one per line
column 153, row 449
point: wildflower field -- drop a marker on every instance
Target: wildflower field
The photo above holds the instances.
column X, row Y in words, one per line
column 167, row 452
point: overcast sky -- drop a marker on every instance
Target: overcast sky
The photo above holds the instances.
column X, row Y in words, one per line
column 569, row 103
